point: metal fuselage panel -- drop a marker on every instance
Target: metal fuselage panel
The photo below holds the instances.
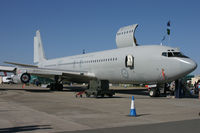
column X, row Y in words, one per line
column 149, row 65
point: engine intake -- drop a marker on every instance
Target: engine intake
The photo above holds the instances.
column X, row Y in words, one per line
column 25, row 78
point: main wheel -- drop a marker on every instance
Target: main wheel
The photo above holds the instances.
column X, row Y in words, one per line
column 60, row 87
column 110, row 95
column 152, row 92
column 52, row 87
column 157, row 93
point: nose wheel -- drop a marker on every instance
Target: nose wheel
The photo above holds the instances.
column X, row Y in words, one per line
column 154, row 92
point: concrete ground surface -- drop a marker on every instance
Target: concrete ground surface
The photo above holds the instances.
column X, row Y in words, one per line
column 35, row 109
column 185, row 126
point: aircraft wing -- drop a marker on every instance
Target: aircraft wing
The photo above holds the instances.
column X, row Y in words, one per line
column 68, row 75
column 7, row 69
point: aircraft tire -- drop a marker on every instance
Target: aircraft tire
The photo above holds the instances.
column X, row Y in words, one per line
column 152, row 92
column 110, row 95
column 52, row 87
column 56, row 87
column 157, row 93
column 60, row 87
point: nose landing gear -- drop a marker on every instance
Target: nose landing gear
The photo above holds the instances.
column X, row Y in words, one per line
column 154, row 92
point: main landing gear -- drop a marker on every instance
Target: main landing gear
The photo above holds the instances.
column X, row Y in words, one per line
column 57, row 86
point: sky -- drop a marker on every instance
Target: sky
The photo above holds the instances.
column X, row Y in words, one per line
column 69, row 26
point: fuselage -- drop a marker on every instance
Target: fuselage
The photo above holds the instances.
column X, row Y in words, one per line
column 151, row 64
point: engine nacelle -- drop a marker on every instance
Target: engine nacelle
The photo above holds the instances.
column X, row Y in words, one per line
column 25, row 78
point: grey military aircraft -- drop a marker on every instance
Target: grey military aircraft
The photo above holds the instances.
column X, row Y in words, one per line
column 129, row 63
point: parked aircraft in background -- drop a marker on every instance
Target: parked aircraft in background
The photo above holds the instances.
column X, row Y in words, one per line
column 129, row 63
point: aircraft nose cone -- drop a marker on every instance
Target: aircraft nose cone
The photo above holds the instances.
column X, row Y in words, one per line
column 188, row 65
column 194, row 65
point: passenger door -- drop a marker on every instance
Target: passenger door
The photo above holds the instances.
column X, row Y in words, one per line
column 129, row 61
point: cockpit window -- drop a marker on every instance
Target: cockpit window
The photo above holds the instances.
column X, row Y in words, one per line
column 179, row 54
column 170, row 54
column 174, row 54
column 164, row 54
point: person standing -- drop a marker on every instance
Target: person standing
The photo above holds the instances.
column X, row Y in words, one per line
column 198, row 86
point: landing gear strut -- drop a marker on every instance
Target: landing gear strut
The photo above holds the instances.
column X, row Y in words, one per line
column 57, row 86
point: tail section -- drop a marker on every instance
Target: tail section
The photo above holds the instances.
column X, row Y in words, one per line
column 39, row 55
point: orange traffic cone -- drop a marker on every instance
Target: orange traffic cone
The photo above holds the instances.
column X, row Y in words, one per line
column 23, row 86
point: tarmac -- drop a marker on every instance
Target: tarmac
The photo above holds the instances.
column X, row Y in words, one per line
column 36, row 109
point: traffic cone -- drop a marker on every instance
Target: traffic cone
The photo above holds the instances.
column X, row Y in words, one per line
column 133, row 111
column 23, row 86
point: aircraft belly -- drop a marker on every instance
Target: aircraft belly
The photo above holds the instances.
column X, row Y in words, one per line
column 107, row 74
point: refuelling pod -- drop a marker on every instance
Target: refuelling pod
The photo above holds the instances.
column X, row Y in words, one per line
column 125, row 36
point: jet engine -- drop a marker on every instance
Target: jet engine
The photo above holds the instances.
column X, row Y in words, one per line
column 25, row 78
